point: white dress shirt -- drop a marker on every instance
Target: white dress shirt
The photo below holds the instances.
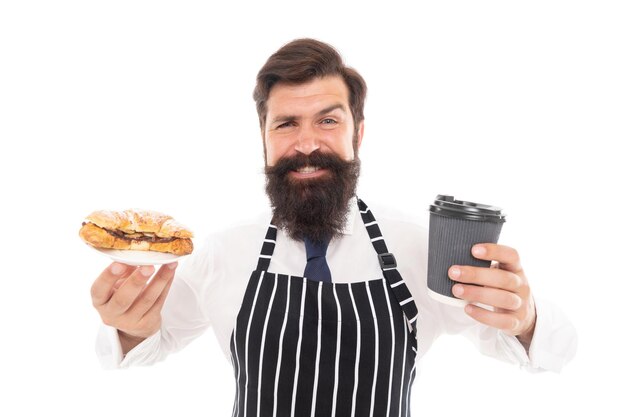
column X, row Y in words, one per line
column 209, row 285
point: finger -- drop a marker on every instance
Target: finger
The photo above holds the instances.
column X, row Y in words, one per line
column 503, row 321
column 152, row 318
column 126, row 294
column 489, row 296
column 103, row 287
column 153, row 291
column 488, row 277
column 118, row 283
column 507, row 257
column 161, row 300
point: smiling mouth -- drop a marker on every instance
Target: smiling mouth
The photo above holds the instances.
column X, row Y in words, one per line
column 307, row 169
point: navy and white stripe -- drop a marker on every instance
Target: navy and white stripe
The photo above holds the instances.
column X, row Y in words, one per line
column 367, row 372
column 269, row 243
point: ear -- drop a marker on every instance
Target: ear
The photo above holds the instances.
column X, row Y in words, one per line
column 360, row 133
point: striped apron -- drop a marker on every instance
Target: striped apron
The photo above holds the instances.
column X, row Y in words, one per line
column 308, row 348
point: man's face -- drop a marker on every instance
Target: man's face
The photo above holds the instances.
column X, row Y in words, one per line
column 303, row 118
column 311, row 167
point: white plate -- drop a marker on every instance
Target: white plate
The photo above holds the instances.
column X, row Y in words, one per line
column 139, row 257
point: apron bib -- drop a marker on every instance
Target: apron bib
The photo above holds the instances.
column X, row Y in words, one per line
column 308, row 348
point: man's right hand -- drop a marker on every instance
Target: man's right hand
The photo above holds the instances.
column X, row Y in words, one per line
column 125, row 300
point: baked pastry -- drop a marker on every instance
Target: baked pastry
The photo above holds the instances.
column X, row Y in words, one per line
column 136, row 230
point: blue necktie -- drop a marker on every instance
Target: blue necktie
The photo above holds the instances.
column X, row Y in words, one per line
column 316, row 266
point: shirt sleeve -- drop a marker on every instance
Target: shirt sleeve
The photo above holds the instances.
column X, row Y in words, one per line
column 183, row 318
column 553, row 345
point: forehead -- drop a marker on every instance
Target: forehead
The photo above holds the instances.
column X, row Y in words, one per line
column 311, row 95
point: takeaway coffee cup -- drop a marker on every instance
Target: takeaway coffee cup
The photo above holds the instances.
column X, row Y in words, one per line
column 456, row 226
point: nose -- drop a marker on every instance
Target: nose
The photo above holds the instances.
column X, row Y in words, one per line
column 308, row 142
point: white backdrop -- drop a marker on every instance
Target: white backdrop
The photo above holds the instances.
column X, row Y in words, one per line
column 148, row 104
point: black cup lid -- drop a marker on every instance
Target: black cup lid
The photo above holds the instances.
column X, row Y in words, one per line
column 446, row 205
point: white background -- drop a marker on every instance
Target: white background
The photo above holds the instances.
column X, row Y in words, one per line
column 148, row 104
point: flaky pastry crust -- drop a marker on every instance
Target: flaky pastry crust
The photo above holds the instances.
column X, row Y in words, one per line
column 139, row 221
column 136, row 230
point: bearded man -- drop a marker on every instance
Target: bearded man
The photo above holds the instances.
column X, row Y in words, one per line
column 335, row 316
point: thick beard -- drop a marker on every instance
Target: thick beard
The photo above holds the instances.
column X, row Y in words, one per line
column 315, row 208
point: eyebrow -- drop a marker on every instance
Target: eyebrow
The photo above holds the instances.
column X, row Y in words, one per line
column 288, row 118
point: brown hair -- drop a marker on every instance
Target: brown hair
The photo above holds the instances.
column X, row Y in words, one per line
column 300, row 61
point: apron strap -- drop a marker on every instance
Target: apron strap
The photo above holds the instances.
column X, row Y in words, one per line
column 389, row 267
column 267, row 250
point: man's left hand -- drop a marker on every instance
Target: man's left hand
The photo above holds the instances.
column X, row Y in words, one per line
column 503, row 287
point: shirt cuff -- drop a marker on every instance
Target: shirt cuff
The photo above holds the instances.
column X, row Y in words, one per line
column 514, row 350
column 109, row 349
column 553, row 344
column 145, row 353
column 554, row 341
